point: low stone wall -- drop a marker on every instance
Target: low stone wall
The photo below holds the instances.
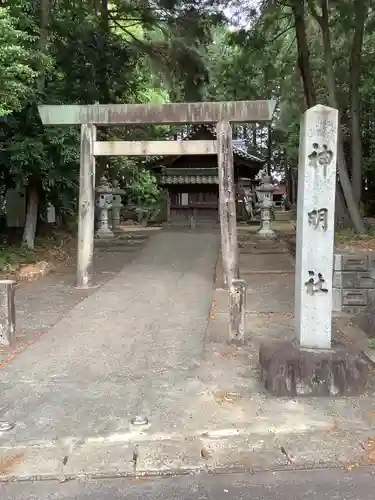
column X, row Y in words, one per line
column 353, row 280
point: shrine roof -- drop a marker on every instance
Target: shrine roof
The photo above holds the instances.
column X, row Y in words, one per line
column 238, row 151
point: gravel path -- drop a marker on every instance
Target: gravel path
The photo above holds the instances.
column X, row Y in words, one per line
column 42, row 303
column 115, row 353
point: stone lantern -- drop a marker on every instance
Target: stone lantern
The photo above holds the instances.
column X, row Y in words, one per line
column 104, row 204
column 117, row 194
column 265, row 204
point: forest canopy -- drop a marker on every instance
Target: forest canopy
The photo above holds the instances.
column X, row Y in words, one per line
column 137, row 51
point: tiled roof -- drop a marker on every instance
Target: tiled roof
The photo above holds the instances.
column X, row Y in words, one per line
column 189, row 179
column 242, row 153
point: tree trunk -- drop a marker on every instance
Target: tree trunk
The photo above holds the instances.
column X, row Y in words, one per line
column 353, row 209
column 104, row 23
column 288, row 179
column 29, row 231
column 33, row 187
column 341, row 212
column 294, row 178
column 104, row 96
column 269, row 149
column 354, row 80
column 298, row 9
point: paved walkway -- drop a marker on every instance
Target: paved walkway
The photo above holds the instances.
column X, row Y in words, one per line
column 143, row 344
column 119, row 351
column 281, row 485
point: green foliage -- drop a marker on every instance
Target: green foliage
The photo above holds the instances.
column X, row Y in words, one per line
column 17, row 74
column 141, row 187
column 14, row 256
column 122, row 52
column 258, row 60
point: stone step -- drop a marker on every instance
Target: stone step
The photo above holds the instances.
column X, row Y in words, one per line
column 127, row 250
column 124, row 244
column 131, row 236
column 264, row 251
column 282, row 216
column 258, row 244
column 119, row 242
column 255, row 238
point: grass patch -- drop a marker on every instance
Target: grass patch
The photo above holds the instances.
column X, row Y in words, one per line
column 371, row 343
column 350, row 234
column 52, row 247
column 13, row 257
column 349, row 238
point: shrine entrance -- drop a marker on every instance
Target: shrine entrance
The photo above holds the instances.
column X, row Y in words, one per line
column 221, row 114
column 191, row 182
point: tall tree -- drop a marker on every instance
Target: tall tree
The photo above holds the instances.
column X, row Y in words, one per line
column 34, row 186
column 323, row 21
column 299, row 13
column 86, row 52
column 360, row 12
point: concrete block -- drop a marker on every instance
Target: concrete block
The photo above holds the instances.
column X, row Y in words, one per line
column 337, row 262
column 7, row 312
column 337, row 279
column 354, row 297
column 358, row 280
column 288, row 370
column 371, row 262
column 354, row 262
column 336, row 299
column 353, row 310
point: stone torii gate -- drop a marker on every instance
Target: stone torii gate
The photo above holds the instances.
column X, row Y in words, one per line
column 220, row 113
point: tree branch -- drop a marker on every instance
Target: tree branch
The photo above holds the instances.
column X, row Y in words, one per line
column 325, row 12
column 276, row 37
column 314, row 12
column 125, row 30
column 144, row 46
column 291, row 44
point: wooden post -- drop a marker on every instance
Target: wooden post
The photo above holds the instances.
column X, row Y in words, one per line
column 168, row 206
column 228, row 228
column 227, row 203
column 237, row 311
column 7, row 312
column 86, row 211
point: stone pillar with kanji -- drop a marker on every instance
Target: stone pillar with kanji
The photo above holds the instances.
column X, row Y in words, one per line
column 310, row 364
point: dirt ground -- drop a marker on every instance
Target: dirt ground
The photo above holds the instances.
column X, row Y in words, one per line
column 364, row 243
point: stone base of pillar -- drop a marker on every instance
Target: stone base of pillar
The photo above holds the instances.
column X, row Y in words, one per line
column 266, row 233
column 90, row 286
column 288, row 370
column 116, row 230
column 104, row 233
